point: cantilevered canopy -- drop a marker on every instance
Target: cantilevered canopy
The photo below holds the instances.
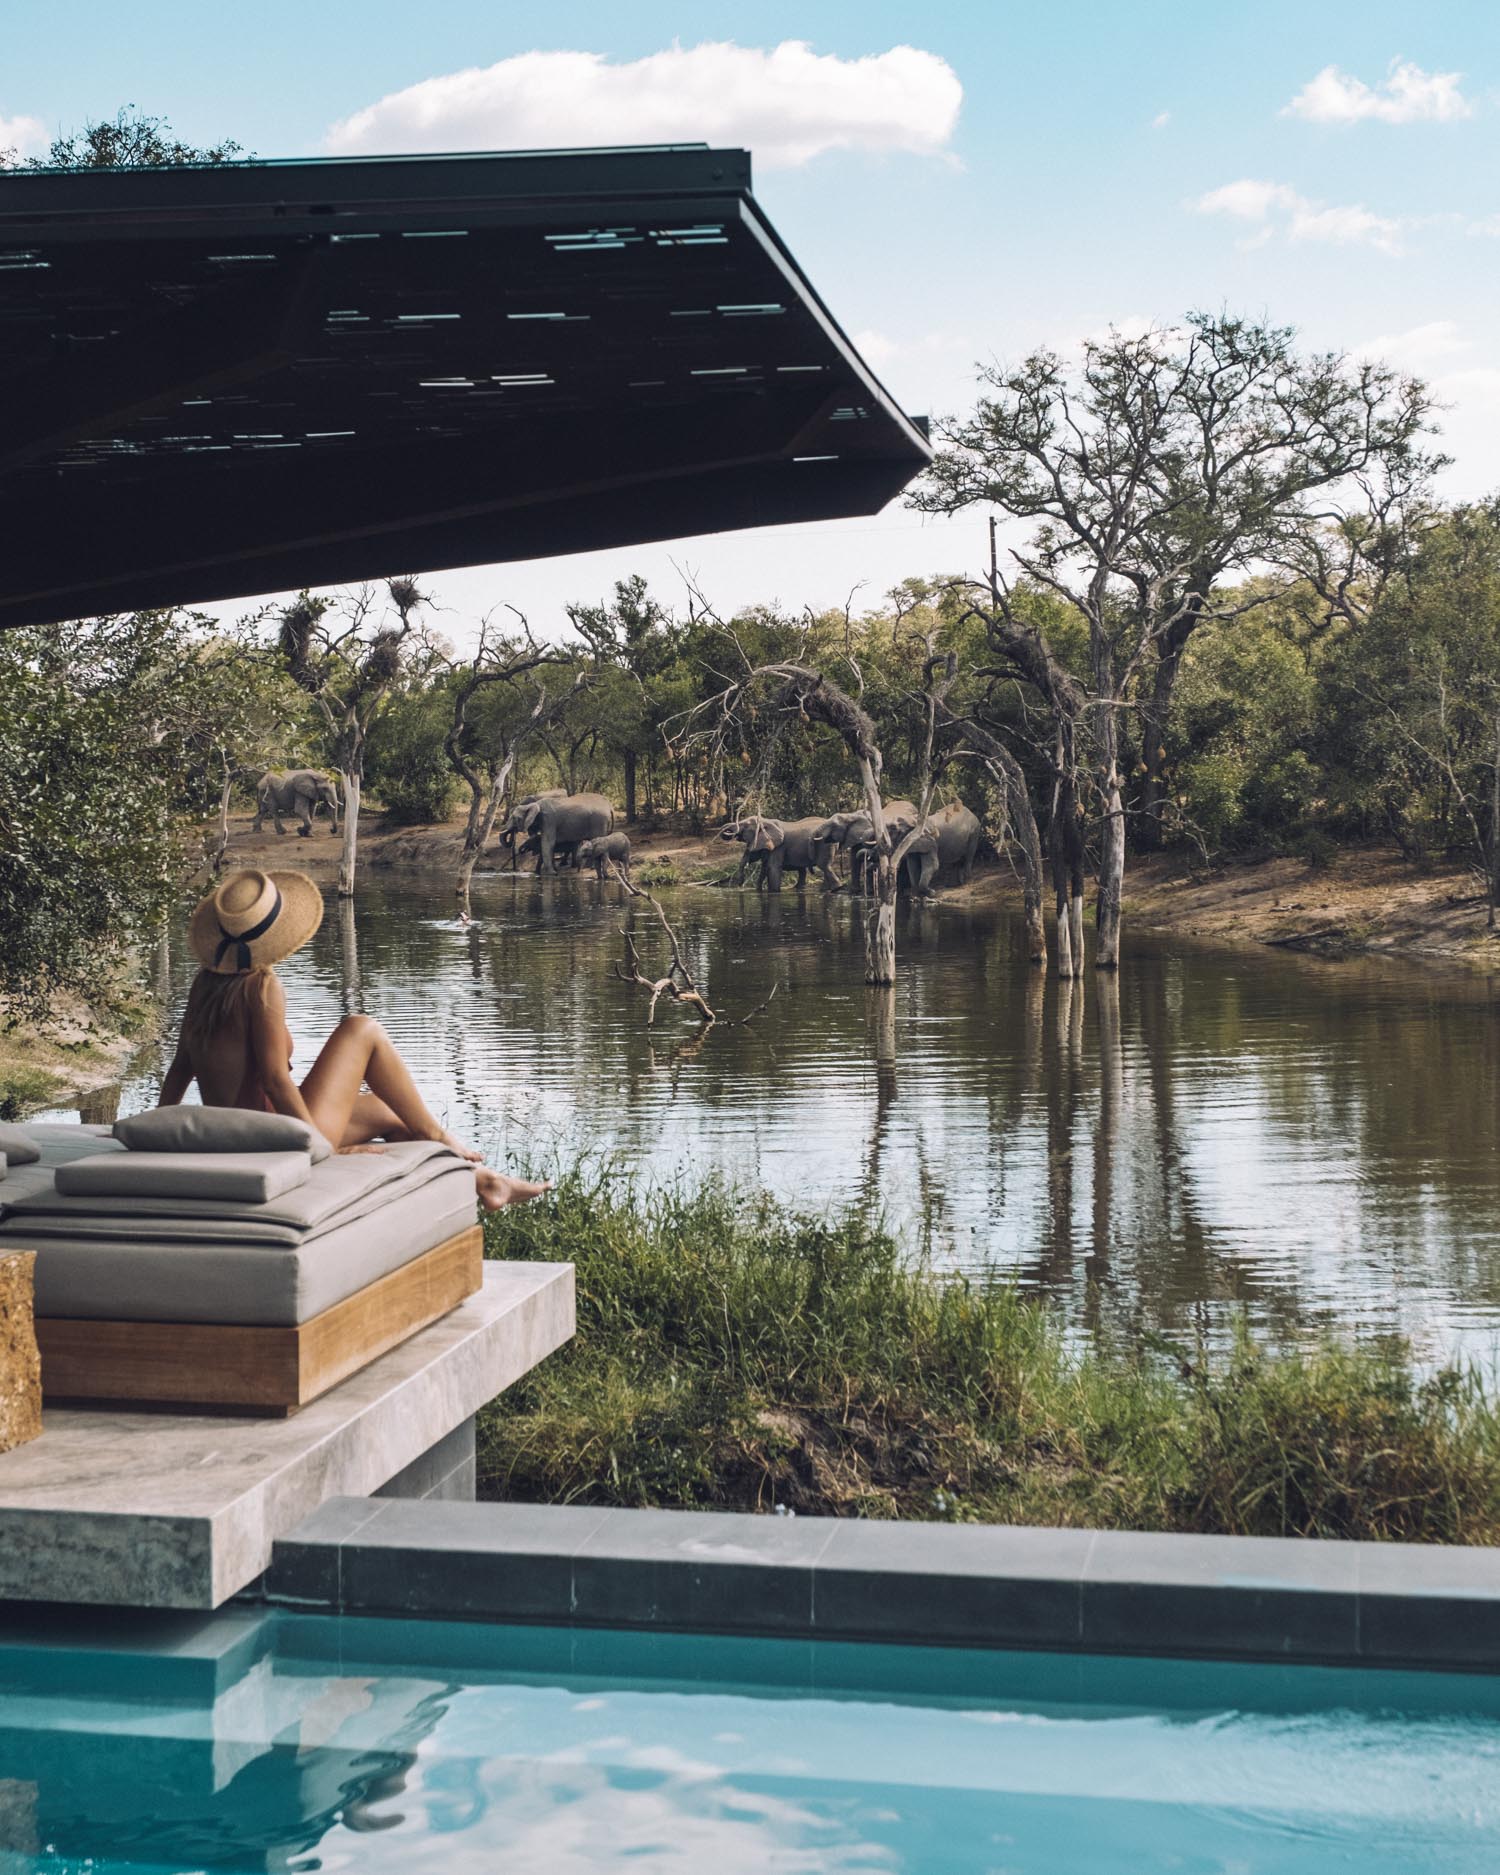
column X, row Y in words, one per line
column 236, row 380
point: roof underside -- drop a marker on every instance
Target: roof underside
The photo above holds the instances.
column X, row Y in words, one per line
column 229, row 381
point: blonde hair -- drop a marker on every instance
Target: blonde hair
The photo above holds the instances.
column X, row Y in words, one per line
column 215, row 1002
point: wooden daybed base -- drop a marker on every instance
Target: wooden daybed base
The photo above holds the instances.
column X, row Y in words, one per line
column 260, row 1370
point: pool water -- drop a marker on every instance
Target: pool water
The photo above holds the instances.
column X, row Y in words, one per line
column 302, row 1743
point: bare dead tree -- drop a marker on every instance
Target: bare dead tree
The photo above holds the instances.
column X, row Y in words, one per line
column 1020, row 824
column 349, row 667
column 486, row 772
column 679, row 982
column 808, row 695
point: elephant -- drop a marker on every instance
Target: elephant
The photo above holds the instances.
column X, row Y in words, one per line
column 511, row 835
column 302, row 792
column 561, row 823
column 855, row 832
column 607, row 848
column 780, row 846
column 947, row 843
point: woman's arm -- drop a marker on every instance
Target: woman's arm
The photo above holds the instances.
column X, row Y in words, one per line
column 177, row 1080
column 268, row 1045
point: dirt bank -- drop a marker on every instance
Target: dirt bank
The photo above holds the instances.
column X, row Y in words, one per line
column 66, row 1060
column 437, row 849
column 1366, row 900
column 1363, row 900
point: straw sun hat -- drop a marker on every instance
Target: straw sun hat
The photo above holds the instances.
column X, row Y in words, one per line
column 254, row 919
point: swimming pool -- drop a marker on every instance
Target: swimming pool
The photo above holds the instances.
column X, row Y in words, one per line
column 310, row 1743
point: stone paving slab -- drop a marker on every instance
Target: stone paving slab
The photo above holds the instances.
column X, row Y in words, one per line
column 180, row 1510
column 1103, row 1592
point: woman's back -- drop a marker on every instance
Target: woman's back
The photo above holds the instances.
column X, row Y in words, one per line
column 218, row 1040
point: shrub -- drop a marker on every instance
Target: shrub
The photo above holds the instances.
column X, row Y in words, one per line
column 406, row 765
column 732, row 1353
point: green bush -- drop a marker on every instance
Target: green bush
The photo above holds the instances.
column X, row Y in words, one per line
column 406, row 764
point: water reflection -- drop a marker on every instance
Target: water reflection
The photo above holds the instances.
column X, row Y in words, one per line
column 1312, row 1141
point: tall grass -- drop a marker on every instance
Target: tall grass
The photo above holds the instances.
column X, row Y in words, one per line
column 731, row 1353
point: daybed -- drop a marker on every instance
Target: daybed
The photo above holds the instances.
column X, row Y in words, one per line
column 248, row 1279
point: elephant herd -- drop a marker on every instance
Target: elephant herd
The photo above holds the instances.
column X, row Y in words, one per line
column 944, row 847
column 560, row 828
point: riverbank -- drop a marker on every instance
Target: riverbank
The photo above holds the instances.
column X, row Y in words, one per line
column 1361, row 901
column 733, row 1355
column 78, row 1053
column 1366, row 900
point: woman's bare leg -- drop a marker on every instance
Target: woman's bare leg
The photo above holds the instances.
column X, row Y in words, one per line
column 359, row 1053
column 373, row 1119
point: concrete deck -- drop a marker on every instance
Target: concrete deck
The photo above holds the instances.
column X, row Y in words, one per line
column 169, row 1510
column 970, row 1586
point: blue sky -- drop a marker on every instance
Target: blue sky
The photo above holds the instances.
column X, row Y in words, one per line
column 1106, row 163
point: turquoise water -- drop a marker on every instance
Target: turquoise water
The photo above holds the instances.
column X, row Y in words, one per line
column 309, row 1744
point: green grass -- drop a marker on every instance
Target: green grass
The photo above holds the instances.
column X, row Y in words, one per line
column 656, row 871
column 732, row 1354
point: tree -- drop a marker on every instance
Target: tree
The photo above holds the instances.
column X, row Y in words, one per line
column 634, row 636
column 1164, row 465
column 482, row 746
column 128, row 140
column 100, row 741
column 236, row 713
column 348, row 668
column 1419, row 687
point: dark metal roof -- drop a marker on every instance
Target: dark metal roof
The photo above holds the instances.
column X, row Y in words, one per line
column 232, row 380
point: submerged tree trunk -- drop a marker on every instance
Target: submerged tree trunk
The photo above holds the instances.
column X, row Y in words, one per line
column 1111, row 844
column 351, row 986
column 347, row 857
column 1020, row 819
column 1065, row 855
column 880, row 929
column 481, row 824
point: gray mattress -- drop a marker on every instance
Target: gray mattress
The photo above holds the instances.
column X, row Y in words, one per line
column 195, row 1260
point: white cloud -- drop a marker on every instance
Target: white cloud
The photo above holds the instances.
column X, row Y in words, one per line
column 787, row 105
column 875, row 348
column 1270, row 205
column 1421, row 348
column 1161, row 120
column 1247, row 199
column 1343, row 227
column 1408, row 96
column 1451, row 362
column 24, row 134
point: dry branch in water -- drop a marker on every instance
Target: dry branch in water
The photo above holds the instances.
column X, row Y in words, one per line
column 679, row 982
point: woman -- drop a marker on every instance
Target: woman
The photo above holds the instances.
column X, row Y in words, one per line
column 235, row 1042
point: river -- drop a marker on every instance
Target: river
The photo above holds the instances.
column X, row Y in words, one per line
column 1312, row 1143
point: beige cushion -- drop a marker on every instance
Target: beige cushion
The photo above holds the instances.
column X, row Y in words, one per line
column 240, row 1177
column 219, row 1129
column 17, row 1147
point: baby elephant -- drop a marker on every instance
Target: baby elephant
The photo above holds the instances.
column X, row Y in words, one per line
column 598, row 853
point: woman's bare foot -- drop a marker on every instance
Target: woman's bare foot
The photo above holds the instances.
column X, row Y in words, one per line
column 496, row 1190
column 455, row 1144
